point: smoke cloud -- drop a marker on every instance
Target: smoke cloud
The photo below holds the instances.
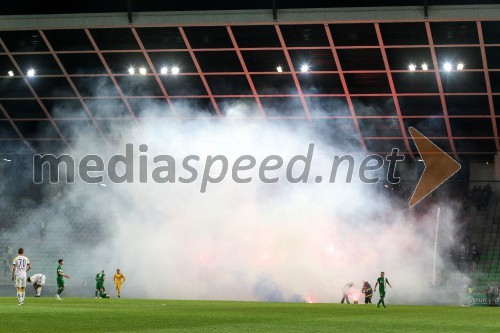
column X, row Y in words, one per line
column 271, row 242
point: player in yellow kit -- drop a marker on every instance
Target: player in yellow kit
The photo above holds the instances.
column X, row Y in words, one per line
column 119, row 279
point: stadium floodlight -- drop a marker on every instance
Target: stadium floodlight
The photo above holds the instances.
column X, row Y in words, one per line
column 131, row 70
column 304, row 68
column 447, row 67
column 412, row 67
column 175, row 70
column 279, row 69
column 460, row 66
column 6, row 160
column 425, row 67
column 11, row 73
column 31, row 72
column 164, row 70
column 142, row 71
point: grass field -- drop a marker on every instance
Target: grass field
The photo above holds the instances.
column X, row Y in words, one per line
column 112, row 315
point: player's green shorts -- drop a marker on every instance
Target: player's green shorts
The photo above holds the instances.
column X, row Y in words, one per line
column 60, row 283
column 99, row 285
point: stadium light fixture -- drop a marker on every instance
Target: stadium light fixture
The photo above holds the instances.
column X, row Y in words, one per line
column 304, row 68
column 175, row 70
column 460, row 66
column 31, row 72
column 11, row 73
column 447, row 67
column 142, row 71
column 279, row 69
column 164, row 70
column 131, row 70
column 425, row 67
column 6, row 160
column 412, row 67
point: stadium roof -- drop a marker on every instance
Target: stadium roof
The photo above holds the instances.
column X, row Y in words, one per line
column 358, row 70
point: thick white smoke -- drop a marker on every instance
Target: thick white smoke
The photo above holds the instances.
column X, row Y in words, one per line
column 255, row 241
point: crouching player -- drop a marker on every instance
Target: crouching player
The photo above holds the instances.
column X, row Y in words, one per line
column 99, row 285
column 38, row 281
column 368, row 291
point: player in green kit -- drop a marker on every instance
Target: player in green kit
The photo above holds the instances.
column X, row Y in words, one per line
column 382, row 280
column 60, row 279
column 99, row 284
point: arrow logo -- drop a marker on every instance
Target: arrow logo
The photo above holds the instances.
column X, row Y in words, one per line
column 439, row 166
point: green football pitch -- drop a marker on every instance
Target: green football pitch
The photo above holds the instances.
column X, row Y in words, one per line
column 46, row 314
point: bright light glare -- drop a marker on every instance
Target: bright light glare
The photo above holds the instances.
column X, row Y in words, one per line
column 11, row 73
column 425, row 67
column 412, row 67
column 142, row 71
column 279, row 69
column 460, row 66
column 31, row 72
column 164, row 70
column 175, row 70
column 304, row 68
column 131, row 70
column 447, row 67
column 7, row 160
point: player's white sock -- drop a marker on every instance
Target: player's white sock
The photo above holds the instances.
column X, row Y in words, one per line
column 22, row 296
column 19, row 297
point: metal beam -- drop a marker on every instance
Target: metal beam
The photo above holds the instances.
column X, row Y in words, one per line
column 393, row 91
column 488, row 84
column 108, row 70
column 344, row 86
column 129, row 11
column 252, row 17
column 312, row 72
column 275, row 11
column 261, row 95
column 16, row 129
column 304, row 117
column 33, row 92
column 292, row 70
column 154, row 71
column 70, row 81
column 245, row 70
column 440, row 89
column 200, row 72
column 269, row 48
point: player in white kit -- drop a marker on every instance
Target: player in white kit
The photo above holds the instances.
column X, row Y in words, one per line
column 20, row 266
column 38, row 281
